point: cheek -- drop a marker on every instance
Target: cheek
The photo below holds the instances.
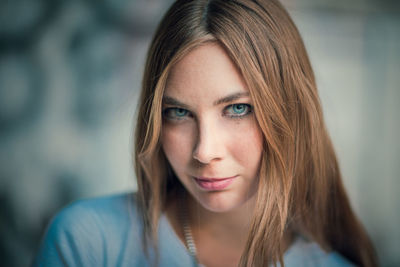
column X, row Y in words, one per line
column 246, row 146
column 177, row 142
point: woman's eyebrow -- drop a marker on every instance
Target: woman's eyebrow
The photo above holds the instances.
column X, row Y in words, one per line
column 167, row 100
column 231, row 97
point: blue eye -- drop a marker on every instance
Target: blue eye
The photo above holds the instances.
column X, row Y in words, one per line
column 175, row 113
column 238, row 110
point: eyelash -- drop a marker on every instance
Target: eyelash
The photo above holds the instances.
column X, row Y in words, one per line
column 248, row 110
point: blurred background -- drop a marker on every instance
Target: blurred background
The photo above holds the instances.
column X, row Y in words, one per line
column 70, row 74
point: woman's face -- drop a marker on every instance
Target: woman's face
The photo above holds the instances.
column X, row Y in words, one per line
column 209, row 134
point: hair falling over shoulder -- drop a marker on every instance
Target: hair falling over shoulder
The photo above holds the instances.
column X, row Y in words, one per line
column 300, row 189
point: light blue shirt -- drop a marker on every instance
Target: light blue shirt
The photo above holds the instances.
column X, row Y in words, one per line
column 107, row 231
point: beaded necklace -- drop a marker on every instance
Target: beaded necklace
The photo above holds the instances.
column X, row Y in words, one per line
column 189, row 240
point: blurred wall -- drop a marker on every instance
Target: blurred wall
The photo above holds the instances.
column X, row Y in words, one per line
column 69, row 79
column 354, row 47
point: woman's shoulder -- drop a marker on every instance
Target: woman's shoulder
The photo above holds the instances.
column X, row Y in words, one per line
column 92, row 231
column 110, row 207
column 308, row 253
column 112, row 212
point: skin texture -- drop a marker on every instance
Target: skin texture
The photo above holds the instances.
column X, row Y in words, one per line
column 207, row 133
column 204, row 138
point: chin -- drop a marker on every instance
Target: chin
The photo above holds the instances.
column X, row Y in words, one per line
column 219, row 201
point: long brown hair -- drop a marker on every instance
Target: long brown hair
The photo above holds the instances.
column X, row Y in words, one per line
column 300, row 186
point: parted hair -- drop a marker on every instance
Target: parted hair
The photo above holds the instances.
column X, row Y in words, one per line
column 300, row 187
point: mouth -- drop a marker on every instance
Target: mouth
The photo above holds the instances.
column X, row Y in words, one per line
column 214, row 184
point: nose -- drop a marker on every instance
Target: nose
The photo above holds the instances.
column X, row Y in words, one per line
column 209, row 143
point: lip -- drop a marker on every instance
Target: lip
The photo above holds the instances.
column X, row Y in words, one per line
column 214, row 184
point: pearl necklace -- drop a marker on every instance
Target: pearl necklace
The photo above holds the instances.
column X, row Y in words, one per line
column 189, row 240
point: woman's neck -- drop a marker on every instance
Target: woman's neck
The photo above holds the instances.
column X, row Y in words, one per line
column 232, row 226
column 220, row 237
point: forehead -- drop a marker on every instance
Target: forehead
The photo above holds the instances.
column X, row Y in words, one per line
column 205, row 72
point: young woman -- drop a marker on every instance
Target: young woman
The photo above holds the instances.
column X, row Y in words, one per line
column 233, row 162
